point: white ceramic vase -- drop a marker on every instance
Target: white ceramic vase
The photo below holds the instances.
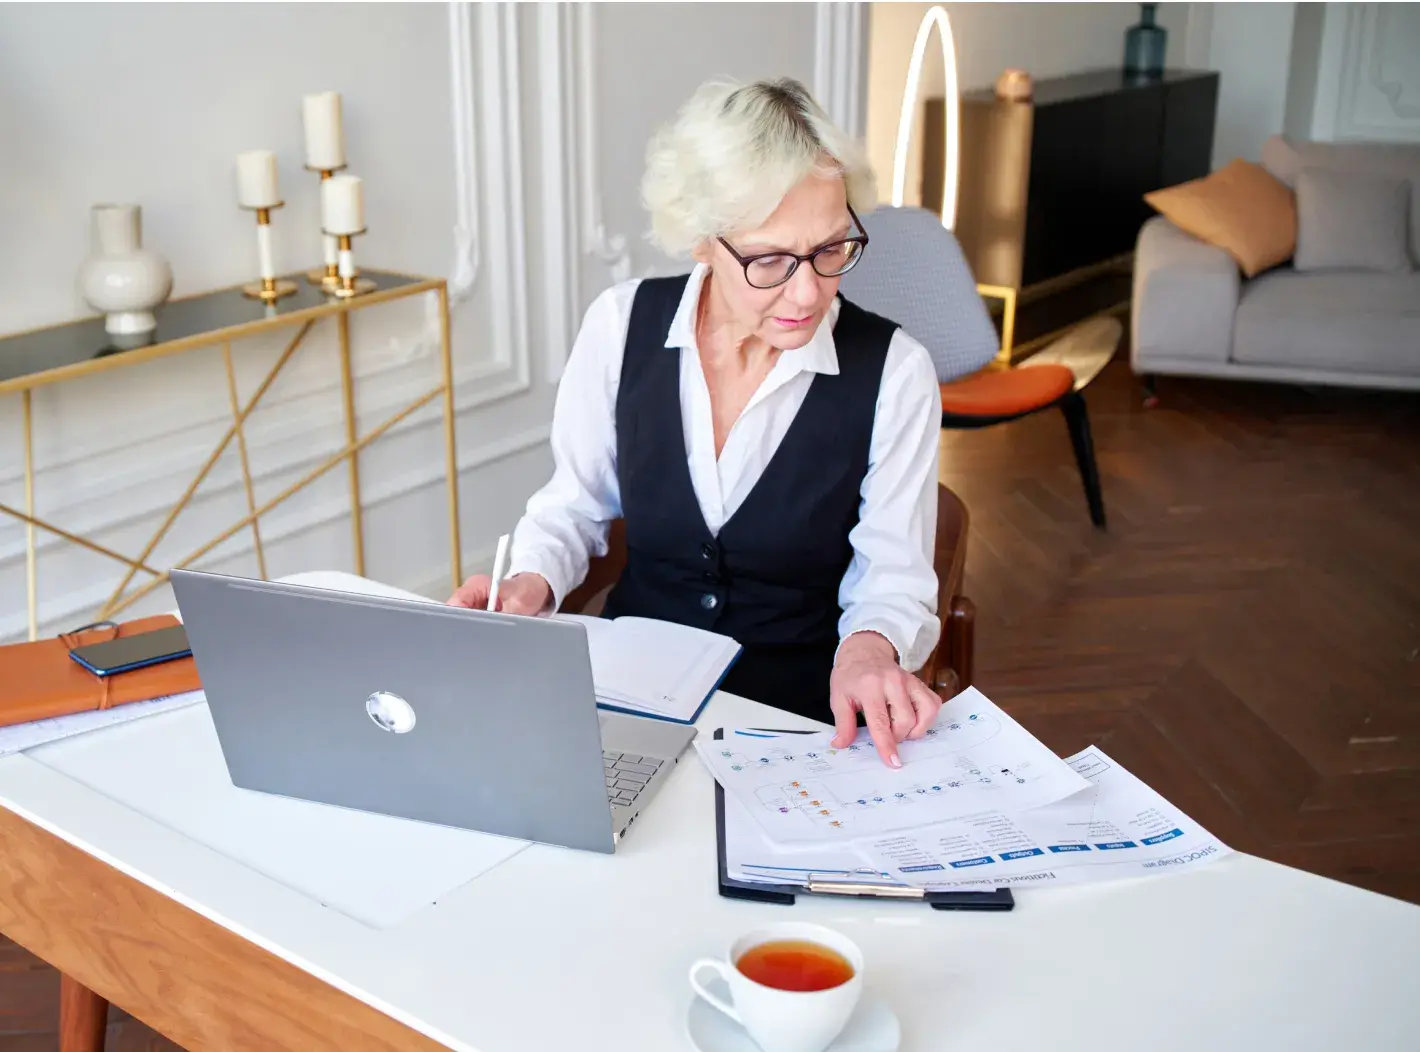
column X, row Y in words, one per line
column 120, row 277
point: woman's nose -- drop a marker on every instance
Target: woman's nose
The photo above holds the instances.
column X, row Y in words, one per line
column 804, row 287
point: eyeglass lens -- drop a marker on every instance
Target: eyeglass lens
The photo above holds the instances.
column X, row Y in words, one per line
column 829, row 261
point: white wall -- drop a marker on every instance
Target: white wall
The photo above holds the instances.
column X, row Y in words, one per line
column 150, row 103
column 1251, row 48
column 1047, row 40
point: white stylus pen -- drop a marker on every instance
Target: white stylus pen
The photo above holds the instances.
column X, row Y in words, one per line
column 500, row 561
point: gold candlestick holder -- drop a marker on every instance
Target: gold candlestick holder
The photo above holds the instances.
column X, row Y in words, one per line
column 270, row 288
column 328, row 276
column 348, row 282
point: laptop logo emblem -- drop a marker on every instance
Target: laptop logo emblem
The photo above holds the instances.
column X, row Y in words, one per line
column 390, row 712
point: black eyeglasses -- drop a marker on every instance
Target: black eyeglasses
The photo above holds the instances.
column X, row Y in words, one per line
column 769, row 269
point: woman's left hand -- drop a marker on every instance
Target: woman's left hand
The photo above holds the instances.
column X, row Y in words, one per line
column 895, row 704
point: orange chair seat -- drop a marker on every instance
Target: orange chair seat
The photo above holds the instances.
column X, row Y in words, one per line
column 1009, row 392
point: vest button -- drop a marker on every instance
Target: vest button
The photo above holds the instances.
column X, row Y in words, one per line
column 708, row 551
column 709, row 602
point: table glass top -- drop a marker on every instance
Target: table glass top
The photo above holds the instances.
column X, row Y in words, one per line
column 42, row 350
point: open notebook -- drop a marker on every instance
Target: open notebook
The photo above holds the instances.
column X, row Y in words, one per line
column 655, row 668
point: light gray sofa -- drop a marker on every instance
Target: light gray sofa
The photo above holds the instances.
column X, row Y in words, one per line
column 1195, row 314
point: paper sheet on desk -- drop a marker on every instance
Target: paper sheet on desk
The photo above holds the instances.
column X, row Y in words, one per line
column 752, row 856
column 975, row 758
column 21, row 736
column 1117, row 828
column 372, row 868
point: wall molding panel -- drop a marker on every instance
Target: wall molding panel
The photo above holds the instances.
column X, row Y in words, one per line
column 611, row 250
column 1368, row 80
column 840, row 63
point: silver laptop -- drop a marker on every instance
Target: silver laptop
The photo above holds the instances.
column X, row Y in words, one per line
column 419, row 710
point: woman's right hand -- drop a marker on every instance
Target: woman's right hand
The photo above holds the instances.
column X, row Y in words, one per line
column 523, row 593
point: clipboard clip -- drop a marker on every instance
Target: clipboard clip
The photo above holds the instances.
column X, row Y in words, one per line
column 893, row 891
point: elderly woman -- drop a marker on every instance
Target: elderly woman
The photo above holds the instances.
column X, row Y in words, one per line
column 771, row 447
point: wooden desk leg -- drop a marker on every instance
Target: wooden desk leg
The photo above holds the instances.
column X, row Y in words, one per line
column 83, row 1017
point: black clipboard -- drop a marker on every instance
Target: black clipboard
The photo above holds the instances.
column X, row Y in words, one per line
column 998, row 899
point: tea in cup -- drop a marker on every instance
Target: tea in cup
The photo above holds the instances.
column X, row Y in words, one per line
column 793, row 986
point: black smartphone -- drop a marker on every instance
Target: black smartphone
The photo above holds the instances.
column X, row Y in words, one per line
column 130, row 652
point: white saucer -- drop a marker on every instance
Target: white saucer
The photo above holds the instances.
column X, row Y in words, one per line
column 872, row 1028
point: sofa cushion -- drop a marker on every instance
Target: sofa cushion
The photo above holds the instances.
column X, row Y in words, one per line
column 1241, row 208
column 1351, row 221
column 1288, row 158
column 1330, row 320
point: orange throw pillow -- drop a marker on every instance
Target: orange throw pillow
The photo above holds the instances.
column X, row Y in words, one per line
column 1241, row 208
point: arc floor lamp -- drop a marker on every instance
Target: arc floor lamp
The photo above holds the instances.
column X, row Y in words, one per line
column 936, row 17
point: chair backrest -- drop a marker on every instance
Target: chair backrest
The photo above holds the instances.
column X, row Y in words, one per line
column 914, row 273
column 602, row 572
column 948, row 560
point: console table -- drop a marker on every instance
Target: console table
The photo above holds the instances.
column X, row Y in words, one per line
column 55, row 354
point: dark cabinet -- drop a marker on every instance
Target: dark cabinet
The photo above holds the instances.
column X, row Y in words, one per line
column 1055, row 185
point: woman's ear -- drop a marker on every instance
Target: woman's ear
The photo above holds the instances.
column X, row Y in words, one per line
column 703, row 252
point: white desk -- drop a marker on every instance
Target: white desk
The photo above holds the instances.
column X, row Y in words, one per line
column 554, row 949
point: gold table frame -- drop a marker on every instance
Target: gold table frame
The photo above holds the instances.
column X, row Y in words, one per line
column 302, row 319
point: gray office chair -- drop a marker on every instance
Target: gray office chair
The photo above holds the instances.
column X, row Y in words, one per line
column 914, row 273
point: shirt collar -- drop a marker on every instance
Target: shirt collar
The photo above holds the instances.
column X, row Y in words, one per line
column 819, row 355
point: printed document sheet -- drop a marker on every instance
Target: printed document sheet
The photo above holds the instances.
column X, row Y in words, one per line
column 752, row 856
column 1118, row 827
column 21, row 736
column 975, row 758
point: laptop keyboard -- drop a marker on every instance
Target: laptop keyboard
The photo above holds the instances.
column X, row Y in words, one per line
column 627, row 775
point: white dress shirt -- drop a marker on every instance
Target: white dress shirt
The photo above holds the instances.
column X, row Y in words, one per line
column 890, row 586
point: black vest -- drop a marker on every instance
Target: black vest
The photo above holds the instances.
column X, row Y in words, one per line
column 771, row 578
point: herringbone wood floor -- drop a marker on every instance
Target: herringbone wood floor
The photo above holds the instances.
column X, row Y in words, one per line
column 1245, row 637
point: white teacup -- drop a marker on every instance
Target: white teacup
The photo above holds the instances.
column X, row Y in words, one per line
column 785, row 1020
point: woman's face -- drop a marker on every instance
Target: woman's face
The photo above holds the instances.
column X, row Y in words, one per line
column 812, row 214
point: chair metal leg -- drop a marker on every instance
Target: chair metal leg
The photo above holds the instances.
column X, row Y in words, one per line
column 961, row 640
column 1077, row 417
column 83, row 1017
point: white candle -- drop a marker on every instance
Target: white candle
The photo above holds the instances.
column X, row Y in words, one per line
column 263, row 250
column 256, row 179
column 325, row 141
column 342, row 205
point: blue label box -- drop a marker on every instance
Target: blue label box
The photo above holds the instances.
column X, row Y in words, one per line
column 1007, row 856
column 1163, row 836
column 982, row 861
